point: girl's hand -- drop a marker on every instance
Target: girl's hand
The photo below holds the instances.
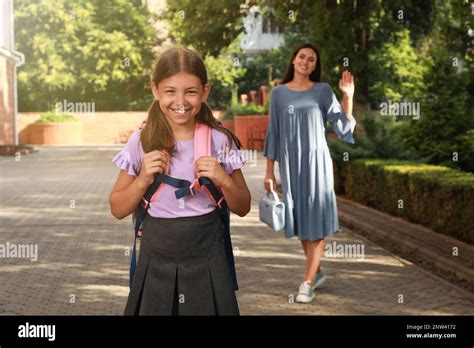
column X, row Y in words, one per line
column 269, row 183
column 346, row 84
column 153, row 162
column 211, row 168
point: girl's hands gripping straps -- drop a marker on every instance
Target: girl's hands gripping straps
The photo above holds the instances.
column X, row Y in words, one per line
column 210, row 167
column 153, row 162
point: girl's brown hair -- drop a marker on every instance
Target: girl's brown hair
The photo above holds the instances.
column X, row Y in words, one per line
column 157, row 134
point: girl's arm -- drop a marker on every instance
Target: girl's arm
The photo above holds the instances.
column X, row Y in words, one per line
column 125, row 195
column 129, row 190
column 233, row 186
column 236, row 193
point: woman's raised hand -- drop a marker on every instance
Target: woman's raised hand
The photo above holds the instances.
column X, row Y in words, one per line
column 346, row 84
column 153, row 162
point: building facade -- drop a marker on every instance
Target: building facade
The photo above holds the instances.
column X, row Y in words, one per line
column 9, row 61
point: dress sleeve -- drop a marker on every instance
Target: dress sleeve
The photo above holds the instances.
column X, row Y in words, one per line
column 335, row 115
column 129, row 158
column 271, row 148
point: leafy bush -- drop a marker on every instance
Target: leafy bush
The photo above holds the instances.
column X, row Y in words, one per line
column 382, row 141
column 249, row 109
column 51, row 117
column 141, row 104
column 466, row 158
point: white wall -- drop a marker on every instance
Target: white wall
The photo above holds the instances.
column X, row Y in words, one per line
column 6, row 25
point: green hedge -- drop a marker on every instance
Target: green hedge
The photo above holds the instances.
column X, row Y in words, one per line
column 438, row 197
column 59, row 118
column 249, row 109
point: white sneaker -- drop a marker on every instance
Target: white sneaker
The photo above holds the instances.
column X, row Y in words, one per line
column 305, row 293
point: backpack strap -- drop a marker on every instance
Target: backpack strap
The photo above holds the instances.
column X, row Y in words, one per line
column 140, row 213
column 202, row 147
column 203, row 139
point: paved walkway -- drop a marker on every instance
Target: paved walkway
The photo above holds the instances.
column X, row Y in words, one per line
column 57, row 199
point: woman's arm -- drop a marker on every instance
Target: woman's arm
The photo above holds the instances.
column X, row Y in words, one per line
column 269, row 183
column 233, row 186
column 340, row 116
column 271, row 149
column 346, row 104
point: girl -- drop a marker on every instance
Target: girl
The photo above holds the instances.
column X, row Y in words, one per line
column 182, row 266
column 299, row 109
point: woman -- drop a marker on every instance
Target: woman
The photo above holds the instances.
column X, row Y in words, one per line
column 299, row 109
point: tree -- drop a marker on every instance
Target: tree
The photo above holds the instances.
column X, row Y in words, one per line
column 94, row 51
column 445, row 131
column 222, row 73
column 396, row 70
column 258, row 70
column 441, row 130
column 346, row 32
column 207, row 25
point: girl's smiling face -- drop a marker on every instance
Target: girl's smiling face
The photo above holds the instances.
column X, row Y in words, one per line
column 305, row 61
column 180, row 97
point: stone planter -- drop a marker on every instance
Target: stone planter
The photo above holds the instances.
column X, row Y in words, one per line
column 64, row 133
column 251, row 130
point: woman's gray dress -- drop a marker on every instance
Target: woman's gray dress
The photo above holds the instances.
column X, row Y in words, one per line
column 296, row 139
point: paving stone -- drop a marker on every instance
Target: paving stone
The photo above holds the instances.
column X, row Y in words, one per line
column 81, row 251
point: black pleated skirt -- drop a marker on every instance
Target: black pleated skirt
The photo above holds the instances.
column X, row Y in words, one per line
column 182, row 269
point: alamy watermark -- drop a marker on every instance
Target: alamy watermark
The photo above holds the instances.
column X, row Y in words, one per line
column 346, row 251
column 249, row 157
column 400, row 109
column 76, row 108
column 37, row 331
column 21, row 251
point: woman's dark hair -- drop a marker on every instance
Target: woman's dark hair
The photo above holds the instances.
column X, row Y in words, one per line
column 290, row 69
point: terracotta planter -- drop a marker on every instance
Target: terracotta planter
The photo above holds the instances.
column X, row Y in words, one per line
column 64, row 133
column 229, row 124
column 251, row 130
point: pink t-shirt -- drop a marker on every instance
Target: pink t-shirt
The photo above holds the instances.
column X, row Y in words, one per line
column 167, row 205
